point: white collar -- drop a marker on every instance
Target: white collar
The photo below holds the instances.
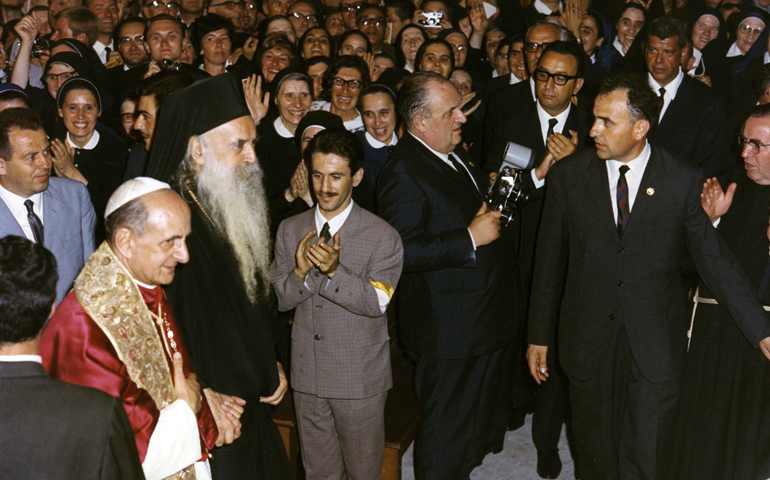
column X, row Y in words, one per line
column 442, row 156
column 514, row 79
column 545, row 116
column 378, row 144
column 408, row 68
column 593, row 58
column 671, row 88
column 21, row 358
column 495, row 74
column 532, row 87
column 618, row 46
column 335, row 223
column 734, row 51
column 15, row 204
column 767, row 57
column 281, row 129
column 542, row 8
column 88, row 146
column 637, row 165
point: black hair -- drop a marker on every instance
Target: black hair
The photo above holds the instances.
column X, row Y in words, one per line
column 164, row 85
column 338, row 142
column 568, row 48
column 27, row 288
column 206, row 24
column 351, row 33
column 16, row 119
column 428, row 43
column 346, row 61
column 667, row 27
column 641, row 100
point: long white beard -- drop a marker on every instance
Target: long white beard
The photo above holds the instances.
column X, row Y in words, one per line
column 235, row 200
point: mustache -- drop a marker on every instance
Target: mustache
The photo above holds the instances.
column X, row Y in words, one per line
column 327, row 194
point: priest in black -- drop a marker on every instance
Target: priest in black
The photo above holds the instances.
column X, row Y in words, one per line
column 221, row 297
column 725, row 411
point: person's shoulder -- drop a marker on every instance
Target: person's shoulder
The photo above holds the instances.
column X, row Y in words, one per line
column 58, row 186
column 676, row 166
column 295, row 222
column 698, row 89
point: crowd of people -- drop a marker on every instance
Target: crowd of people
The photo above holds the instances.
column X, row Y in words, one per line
column 206, row 207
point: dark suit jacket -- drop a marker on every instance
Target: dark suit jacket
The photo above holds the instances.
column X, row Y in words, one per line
column 505, row 100
column 692, row 126
column 55, row 430
column 523, row 127
column 453, row 302
column 635, row 280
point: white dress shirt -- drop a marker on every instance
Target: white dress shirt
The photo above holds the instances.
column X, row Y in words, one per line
column 99, row 47
column 21, row 358
column 514, row 79
column 618, row 46
column 542, row 8
column 15, row 204
column 671, row 90
column 559, row 127
column 633, row 177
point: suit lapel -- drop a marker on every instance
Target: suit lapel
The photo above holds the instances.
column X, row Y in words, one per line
column 443, row 170
column 651, row 183
column 677, row 108
column 51, row 220
column 598, row 187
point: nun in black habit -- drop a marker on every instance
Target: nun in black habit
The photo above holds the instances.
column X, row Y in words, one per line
column 228, row 335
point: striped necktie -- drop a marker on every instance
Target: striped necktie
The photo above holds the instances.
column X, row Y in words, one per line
column 622, row 196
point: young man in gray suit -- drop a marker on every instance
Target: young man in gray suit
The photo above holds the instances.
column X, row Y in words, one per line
column 55, row 212
column 50, row 429
column 340, row 368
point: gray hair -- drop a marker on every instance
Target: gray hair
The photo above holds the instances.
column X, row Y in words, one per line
column 132, row 215
column 414, row 96
column 564, row 34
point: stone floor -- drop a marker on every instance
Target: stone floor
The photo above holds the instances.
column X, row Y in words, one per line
column 517, row 461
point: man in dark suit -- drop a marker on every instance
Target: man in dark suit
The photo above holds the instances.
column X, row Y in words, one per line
column 458, row 295
column 691, row 116
column 624, row 214
column 61, row 208
column 51, row 429
column 553, row 128
column 517, row 95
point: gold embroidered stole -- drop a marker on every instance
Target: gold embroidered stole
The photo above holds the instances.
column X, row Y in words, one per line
column 110, row 297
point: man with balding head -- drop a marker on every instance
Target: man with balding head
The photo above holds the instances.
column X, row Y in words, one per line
column 117, row 332
column 222, row 296
column 459, row 297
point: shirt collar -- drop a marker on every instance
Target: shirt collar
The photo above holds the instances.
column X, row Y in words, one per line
column 767, row 57
column 671, row 88
column 734, row 51
column 281, row 129
column 635, row 166
column 21, row 358
column 88, row 146
column 442, row 156
column 378, row 144
column 335, row 223
column 99, row 46
column 542, row 8
column 15, row 203
column 514, row 79
column 618, row 46
column 532, row 86
column 545, row 116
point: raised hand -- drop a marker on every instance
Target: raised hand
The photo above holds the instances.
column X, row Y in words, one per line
column 326, row 257
column 304, row 264
column 714, row 200
column 258, row 105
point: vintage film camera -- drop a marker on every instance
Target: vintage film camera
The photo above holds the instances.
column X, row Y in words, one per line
column 432, row 19
column 507, row 194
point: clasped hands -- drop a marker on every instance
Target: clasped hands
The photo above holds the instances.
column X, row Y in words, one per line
column 226, row 410
column 320, row 255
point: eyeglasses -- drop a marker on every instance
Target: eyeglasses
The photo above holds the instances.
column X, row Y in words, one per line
column 127, row 40
column 754, row 145
column 458, row 48
column 305, row 18
column 748, row 30
column 502, row 55
column 127, row 117
column 377, row 22
column 532, row 47
column 558, row 79
column 172, row 6
column 341, row 82
column 231, row 5
column 59, row 76
column 352, row 6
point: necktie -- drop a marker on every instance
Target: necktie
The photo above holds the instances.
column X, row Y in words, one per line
column 462, row 171
column 325, row 234
column 551, row 123
column 34, row 222
column 662, row 100
column 622, row 196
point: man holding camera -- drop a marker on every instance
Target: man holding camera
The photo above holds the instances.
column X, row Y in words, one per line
column 459, row 304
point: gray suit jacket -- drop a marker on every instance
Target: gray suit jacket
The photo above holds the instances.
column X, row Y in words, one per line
column 340, row 346
column 68, row 220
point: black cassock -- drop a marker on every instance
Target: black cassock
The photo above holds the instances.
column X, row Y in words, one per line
column 723, row 429
column 231, row 344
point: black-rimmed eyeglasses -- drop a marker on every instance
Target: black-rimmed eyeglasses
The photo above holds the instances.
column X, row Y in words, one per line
column 558, row 78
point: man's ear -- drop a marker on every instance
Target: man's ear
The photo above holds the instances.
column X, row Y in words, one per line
column 3, row 170
column 358, row 176
column 600, row 42
column 196, row 150
column 578, row 86
column 418, row 122
column 641, row 128
column 82, row 37
column 123, row 243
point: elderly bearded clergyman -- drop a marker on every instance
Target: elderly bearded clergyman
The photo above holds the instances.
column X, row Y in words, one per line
column 204, row 143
